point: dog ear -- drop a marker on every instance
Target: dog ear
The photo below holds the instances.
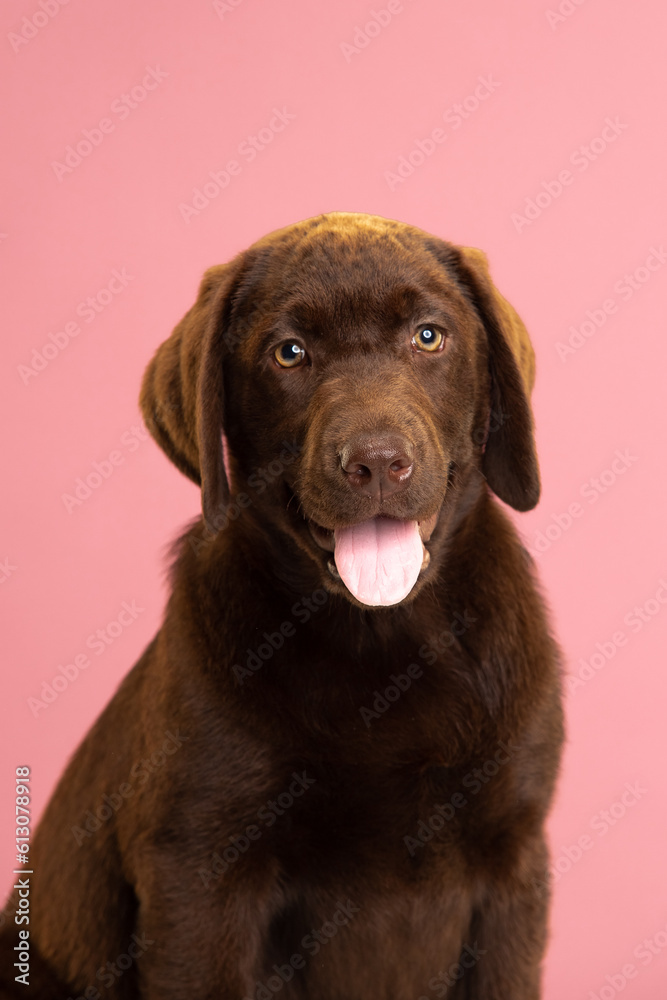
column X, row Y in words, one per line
column 182, row 391
column 510, row 458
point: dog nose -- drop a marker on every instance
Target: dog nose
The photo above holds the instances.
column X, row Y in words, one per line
column 377, row 465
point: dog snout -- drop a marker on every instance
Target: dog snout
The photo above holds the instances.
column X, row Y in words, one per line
column 377, row 465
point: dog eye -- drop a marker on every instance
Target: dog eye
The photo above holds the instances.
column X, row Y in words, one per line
column 289, row 355
column 428, row 339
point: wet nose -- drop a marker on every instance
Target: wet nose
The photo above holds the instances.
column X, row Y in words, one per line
column 377, row 464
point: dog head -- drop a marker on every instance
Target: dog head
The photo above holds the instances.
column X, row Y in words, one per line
column 345, row 381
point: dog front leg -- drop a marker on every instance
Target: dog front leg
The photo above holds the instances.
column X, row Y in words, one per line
column 205, row 941
column 507, row 938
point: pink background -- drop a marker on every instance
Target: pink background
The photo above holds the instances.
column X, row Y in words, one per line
column 552, row 87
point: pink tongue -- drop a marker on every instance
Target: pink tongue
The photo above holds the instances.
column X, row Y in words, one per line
column 379, row 560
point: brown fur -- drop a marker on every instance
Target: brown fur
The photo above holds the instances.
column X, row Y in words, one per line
column 461, row 914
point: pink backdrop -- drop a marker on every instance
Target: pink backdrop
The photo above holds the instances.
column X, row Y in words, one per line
column 534, row 132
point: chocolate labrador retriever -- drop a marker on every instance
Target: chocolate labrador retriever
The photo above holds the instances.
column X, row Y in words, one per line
column 327, row 776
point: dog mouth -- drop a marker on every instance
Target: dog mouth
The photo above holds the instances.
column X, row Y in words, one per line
column 378, row 560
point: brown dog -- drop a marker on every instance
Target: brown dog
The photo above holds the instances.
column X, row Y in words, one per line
column 328, row 774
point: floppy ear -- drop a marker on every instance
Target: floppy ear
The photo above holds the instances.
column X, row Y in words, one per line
column 182, row 391
column 510, row 459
